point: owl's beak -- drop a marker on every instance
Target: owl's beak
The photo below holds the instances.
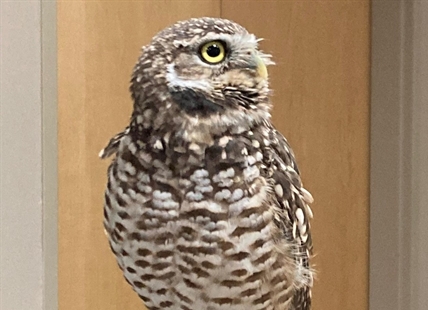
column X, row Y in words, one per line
column 260, row 67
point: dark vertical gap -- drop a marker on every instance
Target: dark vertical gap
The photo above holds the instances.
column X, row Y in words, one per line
column 406, row 123
column 49, row 142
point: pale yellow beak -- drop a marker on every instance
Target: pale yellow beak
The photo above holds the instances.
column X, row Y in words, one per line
column 261, row 67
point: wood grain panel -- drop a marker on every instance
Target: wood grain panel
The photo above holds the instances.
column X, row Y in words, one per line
column 98, row 44
column 321, row 97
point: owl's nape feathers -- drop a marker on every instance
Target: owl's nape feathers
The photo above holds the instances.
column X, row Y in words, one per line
column 204, row 206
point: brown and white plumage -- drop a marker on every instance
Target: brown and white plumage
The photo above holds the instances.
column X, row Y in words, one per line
column 204, row 206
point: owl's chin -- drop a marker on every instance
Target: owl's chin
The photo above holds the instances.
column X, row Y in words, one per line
column 195, row 103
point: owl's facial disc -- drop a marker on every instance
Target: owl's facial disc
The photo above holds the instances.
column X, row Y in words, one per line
column 218, row 72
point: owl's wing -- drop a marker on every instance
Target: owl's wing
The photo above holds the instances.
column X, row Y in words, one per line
column 113, row 145
column 294, row 214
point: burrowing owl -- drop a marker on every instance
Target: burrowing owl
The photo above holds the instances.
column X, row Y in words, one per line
column 204, row 206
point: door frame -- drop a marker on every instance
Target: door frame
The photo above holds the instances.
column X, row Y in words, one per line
column 397, row 214
column 398, row 217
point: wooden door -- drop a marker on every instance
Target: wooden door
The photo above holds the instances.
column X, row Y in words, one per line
column 321, row 97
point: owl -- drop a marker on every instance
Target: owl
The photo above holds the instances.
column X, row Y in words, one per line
column 204, row 206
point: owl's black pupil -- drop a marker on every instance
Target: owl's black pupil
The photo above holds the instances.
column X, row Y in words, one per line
column 213, row 50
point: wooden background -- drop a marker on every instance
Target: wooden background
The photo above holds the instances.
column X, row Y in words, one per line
column 321, row 98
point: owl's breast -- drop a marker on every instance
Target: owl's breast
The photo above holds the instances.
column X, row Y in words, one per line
column 203, row 238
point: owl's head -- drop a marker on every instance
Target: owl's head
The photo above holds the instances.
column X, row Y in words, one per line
column 205, row 71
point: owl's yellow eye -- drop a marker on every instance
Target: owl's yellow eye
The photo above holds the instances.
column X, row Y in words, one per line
column 213, row 52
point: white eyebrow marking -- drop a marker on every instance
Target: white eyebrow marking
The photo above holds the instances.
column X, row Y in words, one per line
column 175, row 81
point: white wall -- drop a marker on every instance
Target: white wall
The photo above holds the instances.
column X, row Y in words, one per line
column 27, row 188
column 21, row 157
